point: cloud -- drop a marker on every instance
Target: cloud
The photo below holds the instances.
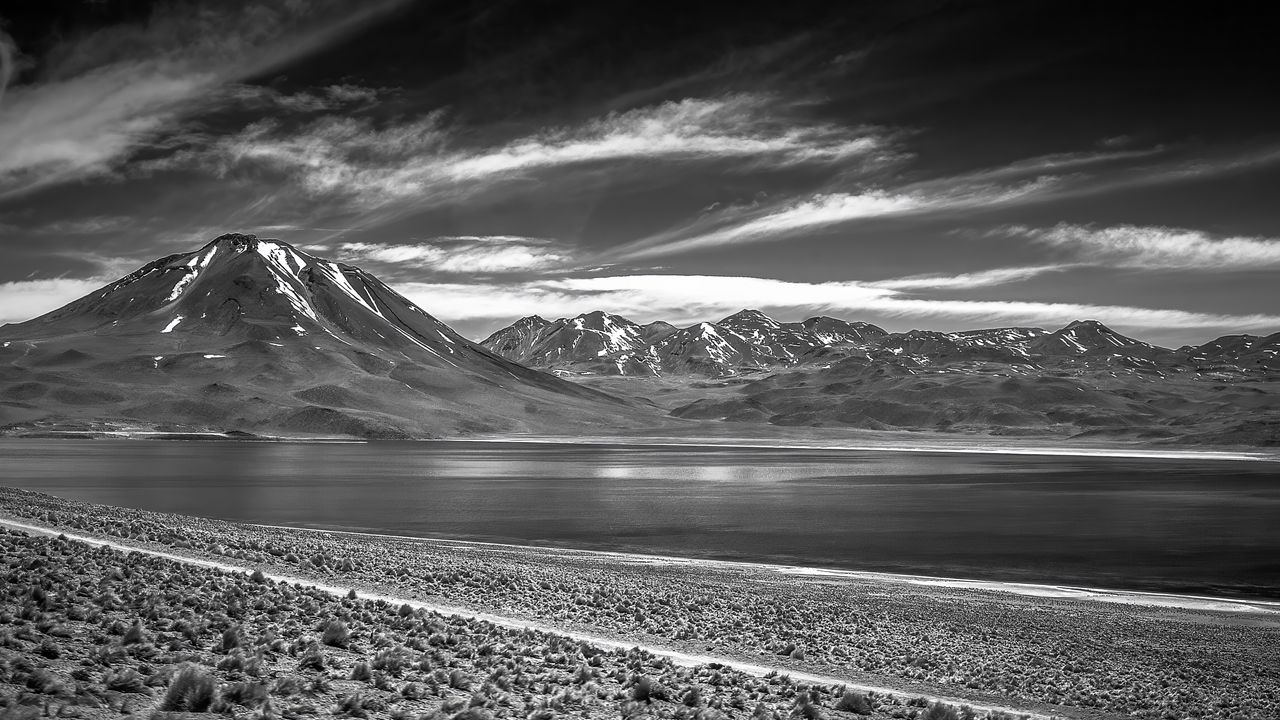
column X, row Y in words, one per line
column 25, row 299
column 779, row 222
column 87, row 226
column 465, row 254
column 685, row 299
column 99, row 96
column 964, row 281
column 332, row 97
column 1147, row 247
column 372, row 166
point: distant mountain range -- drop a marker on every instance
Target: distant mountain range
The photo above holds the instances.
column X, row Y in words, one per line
column 257, row 336
column 1077, row 381
column 750, row 342
column 254, row 336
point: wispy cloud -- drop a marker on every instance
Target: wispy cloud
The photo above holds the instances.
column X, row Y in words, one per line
column 779, row 222
column 326, row 99
column 687, row 299
column 493, row 254
column 101, row 95
column 93, row 225
column 372, row 166
column 1147, row 247
column 964, row 281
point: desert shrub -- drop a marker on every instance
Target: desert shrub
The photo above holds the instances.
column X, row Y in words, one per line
column 940, row 711
column 44, row 682
column 854, row 702
column 473, row 713
column 335, row 634
column 231, row 639
column 805, row 708
column 312, row 659
column 126, row 680
column 258, row 577
column 458, row 680
column 391, row 661
column 134, row 635
column 642, row 689
column 692, row 697
column 361, row 672
column 287, row 685
column 248, row 694
column 50, row 649
column 357, row 705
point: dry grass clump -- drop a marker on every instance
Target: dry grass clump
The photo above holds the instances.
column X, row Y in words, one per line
column 1141, row 662
column 166, row 637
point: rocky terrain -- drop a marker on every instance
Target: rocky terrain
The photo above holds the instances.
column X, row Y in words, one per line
column 1055, row 657
column 1082, row 380
column 258, row 337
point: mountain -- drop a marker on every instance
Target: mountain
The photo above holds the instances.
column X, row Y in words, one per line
column 830, row 332
column 599, row 343
column 1081, row 381
column 1233, row 353
column 592, row 343
column 256, row 336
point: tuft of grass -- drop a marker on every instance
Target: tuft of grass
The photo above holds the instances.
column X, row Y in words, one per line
column 335, row 634
column 192, row 689
column 134, row 635
column 126, row 681
column 854, row 702
column 940, row 711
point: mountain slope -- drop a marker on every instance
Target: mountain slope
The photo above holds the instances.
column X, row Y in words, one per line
column 592, row 343
column 255, row 335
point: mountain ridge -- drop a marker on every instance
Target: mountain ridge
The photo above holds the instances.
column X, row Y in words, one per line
column 749, row 341
column 256, row 335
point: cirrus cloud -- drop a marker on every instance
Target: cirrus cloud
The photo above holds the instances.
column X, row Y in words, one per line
column 1153, row 247
column 99, row 96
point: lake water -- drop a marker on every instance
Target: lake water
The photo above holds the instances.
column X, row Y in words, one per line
column 1158, row 524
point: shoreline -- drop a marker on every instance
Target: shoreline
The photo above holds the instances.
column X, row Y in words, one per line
column 941, row 446
column 676, row 656
column 1043, row 590
column 934, row 448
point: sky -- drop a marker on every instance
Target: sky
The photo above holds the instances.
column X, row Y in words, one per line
column 916, row 164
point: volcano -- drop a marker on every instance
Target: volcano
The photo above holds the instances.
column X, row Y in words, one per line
column 254, row 335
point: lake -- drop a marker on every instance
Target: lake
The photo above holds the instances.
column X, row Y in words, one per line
column 1200, row 526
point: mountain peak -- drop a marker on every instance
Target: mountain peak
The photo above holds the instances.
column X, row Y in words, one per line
column 298, row 344
column 1086, row 325
column 746, row 315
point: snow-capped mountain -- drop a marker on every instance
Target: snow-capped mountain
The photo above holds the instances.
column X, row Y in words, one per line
column 599, row 343
column 750, row 341
column 595, row 343
column 259, row 336
column 1232, row 352
column 833, row 332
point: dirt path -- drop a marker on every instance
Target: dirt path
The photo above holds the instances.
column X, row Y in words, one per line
column 676, row 656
